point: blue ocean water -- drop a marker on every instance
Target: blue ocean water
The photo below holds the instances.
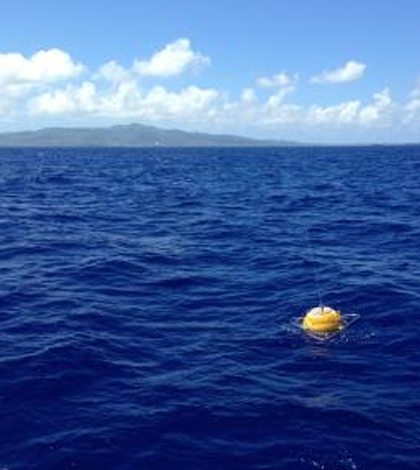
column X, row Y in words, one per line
column 147, row 299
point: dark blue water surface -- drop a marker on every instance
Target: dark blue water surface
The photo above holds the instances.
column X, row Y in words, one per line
column 147, row 299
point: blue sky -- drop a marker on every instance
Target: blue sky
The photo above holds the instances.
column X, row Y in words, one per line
column 309, row 70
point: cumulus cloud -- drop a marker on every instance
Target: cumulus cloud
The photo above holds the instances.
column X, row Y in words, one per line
column 412, row 107
column 415, row 92
column 174, row 59
column 276, row 99
column 125, row 96
column 248, row 95
column 376, row 111
column 349, row 72
column 20, row 76
column 42, row 67
column 189, row 102
column 343, row 113
column 412, row 110
column 113, row 72
column 281, row 85
column 281, row 80
column 209, row 106
column 31, row 83
column 67, row 101
column 125, row 101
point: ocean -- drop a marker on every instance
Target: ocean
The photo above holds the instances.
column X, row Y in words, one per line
column 148, row 306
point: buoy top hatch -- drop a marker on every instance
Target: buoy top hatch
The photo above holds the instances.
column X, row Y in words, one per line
column 322, row 319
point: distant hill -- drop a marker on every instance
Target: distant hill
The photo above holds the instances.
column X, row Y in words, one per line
column 130, row 135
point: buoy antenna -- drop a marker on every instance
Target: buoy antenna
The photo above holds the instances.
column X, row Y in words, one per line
column 315, row 269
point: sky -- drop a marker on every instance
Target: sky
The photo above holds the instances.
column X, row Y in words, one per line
column 321, row 71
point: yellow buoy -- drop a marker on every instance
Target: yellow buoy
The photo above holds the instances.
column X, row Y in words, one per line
column 322, row 319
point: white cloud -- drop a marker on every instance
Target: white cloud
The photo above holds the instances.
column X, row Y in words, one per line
column 282, row 84
column 21, row 76
column 282, row 114
column 211, row 108
column 42, row 67
column 349, row 72
column 126, row 101
column 376, row 111
column 414, row 104
column 281, row 80
column 343, row 113
column 113, row 72
column 278, row 98
column 68, row 101
column 248, row 95
column 412, row 107
column 415, row 92
column 174, row 59
column 251, row 111
column 86, row 99
column 190, row 102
